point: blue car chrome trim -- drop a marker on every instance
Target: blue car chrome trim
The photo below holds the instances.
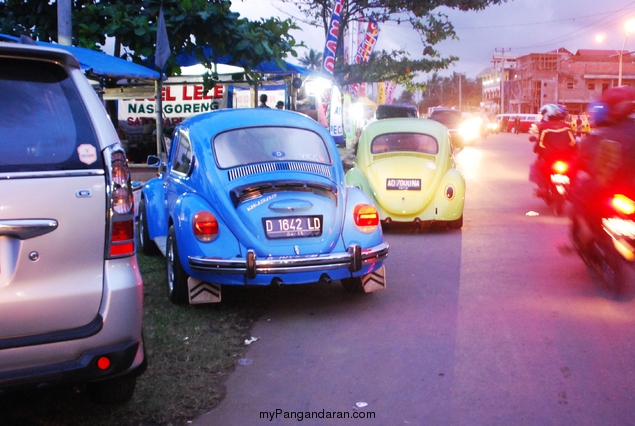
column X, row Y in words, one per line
column 255, row 190
column 354, row 259
column 253, row 169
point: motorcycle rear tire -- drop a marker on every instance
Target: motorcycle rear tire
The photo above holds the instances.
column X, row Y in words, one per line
column 612, row 267
column 557, row 204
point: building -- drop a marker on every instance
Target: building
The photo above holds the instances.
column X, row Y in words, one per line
column 491, row 82
column 558, row 76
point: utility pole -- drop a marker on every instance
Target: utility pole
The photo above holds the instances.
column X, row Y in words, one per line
column 64, row 24
column 502, row 89
column 460, row 94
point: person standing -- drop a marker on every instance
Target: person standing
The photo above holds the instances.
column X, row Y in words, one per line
column 263, row 101
column 280, row 105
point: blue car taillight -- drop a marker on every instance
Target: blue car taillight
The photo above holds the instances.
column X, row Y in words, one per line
column 366, row 218
column 205, row 226
column 121, row 235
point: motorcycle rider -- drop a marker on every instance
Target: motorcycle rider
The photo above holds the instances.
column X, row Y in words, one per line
column 607, row 158
column 555, row 141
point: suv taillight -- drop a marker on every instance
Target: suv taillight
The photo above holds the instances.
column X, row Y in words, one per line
column 121, row 235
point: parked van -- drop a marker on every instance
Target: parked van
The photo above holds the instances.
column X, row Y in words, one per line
column 526, row 120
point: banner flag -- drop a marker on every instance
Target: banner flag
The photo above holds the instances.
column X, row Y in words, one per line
column 381, row 93
column 163, row 44
column 390, row 91
column 335, row 118
column 366, row 47
column 330, row 47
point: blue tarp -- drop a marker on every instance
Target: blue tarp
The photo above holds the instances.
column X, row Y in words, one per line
column 265, row 67
column 99, row 63
column 103, row 65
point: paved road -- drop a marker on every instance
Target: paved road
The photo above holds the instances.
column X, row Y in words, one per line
column 494, row 324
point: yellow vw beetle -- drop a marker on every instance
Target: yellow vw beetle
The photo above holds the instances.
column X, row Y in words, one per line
column 405, row 166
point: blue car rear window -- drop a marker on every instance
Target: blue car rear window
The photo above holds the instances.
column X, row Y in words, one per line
column 404, row 142
column 252, row 145
column 44, row 124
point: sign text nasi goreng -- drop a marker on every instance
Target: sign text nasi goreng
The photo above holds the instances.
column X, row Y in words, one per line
column 178, row 102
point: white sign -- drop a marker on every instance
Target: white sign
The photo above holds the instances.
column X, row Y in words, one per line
column 179, row 101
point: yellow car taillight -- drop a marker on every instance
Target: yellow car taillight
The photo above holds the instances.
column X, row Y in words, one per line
column 560, row 167
column 623, row 204
column 366, row 217
column 205, row 226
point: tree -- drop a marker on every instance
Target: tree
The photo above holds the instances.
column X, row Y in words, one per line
column 194, row 26
column 405, row 97
column 445, row 91
column 311, row 60
column 432, row 26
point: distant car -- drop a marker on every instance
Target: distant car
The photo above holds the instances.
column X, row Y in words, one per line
column 472, row 128
column 452, row 119
column 71, row 296
column 406, row 167
column 393, row 111
column 256, row 197
column 508, row 121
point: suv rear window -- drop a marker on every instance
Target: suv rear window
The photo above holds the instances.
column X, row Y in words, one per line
column 44, row 125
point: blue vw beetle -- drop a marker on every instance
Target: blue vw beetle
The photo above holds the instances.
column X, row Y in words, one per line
column 258, row 197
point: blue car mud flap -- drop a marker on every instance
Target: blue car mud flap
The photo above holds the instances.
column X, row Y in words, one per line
column 375, row 281
column 202, row 292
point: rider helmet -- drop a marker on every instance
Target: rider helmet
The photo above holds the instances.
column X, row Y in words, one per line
column 598, row 112
column 619, row 101
column 553, row 112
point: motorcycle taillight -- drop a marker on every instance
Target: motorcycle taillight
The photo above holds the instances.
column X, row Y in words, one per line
column 560, row 167
column 623, row 204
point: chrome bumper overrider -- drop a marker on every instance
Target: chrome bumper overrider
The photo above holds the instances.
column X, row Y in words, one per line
column 354, row 259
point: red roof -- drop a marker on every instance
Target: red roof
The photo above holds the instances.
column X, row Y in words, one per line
column 596, row 52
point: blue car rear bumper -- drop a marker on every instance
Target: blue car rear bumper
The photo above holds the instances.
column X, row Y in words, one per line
column 353, row 261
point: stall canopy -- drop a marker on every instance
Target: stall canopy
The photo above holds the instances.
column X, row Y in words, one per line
column 99, row 64
column 265, row 67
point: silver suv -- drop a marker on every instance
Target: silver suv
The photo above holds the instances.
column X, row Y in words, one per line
column 70, row 290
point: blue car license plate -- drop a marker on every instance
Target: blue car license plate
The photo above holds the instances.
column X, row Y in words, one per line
column 292, row 226
column 403, row 184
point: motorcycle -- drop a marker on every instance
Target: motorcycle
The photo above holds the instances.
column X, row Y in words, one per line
column 606, row 240
column 553, row 180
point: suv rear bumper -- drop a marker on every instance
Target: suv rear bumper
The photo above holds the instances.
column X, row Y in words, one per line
column 82, row 369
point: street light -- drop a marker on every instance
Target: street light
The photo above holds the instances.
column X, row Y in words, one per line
column 629, row 26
